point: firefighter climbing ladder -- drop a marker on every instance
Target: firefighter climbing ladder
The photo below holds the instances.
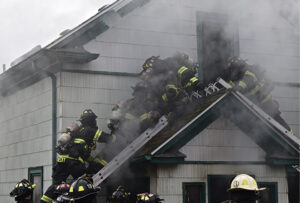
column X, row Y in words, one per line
column 146, row 136
column 126, row 153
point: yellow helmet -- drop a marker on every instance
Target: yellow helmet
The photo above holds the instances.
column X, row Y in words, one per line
column 244, row 182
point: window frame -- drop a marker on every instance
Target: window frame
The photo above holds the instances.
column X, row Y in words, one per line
column 202, row 190
column 36, row 171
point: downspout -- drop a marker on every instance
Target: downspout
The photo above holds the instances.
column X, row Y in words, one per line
column 54, row 110
column 54, row 116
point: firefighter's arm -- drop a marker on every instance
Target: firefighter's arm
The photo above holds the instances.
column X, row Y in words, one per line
column 77, row 147
column 101, row 136
column 248, row 81
column 97, row 160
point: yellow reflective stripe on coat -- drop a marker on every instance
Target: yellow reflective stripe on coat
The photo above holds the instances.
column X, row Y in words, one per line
column 46, row 199
column 231, row 83
column 181, row 70
column 62, row 158
column 164, row 97
column 252, row 75
column 172, row 87
column 97, row 135
column 143, row 117
column 79, row 141
column 254, row 90
column 194, row 79
column 267, row 98
column 243, row 84
column 129, row 116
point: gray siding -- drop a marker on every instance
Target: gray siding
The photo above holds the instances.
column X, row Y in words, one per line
column 25, row 135
column 90, row 91
column 169, row 178
column 222, row 141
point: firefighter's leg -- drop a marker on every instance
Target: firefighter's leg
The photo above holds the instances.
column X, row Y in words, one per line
column 95, row 165
column 60, row 173
column 76, row 168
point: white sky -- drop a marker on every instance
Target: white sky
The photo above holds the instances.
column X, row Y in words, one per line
column 25, row 24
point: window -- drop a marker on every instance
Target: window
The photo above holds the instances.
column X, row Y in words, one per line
column 35, row 175
column 193, row 192
column 270, row 194
column 217, row 40
column 217, row 187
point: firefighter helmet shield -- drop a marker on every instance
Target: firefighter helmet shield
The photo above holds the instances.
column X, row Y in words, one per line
column 244, row 182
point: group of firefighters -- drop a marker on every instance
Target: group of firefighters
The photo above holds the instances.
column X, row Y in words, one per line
column 164, row 89
column 243, row 189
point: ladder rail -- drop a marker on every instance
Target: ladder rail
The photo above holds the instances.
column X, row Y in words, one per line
column 128, row 151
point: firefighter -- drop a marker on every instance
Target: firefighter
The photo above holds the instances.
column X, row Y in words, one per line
column 120, row 195
column 81, row 191
column 244, row 189
column 251, row 81
column 148, row 197
column 23, row 191
column 83, row 141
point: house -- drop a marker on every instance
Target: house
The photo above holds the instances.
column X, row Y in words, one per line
column 95, row 64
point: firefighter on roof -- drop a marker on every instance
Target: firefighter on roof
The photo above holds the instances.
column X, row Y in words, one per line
column 243, row 189
column 72, row 162
column 251, row 81
column 23, row 191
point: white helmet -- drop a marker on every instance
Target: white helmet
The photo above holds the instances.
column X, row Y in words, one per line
column 244, row 182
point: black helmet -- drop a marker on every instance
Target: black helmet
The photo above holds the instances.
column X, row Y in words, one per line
column 82, row 188
column 236, row 62
column 87, row 114
column 22, row 189
column 149, row 63
column 148, row 197
column 61, row 190
column 120, row 195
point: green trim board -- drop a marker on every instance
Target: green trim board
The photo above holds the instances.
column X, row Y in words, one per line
column 54, row 117
column 100, row 72
column 174, row 160
column 36, row 171
column 202, row 190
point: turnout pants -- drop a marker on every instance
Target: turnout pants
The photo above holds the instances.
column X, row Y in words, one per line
column 61, row 171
